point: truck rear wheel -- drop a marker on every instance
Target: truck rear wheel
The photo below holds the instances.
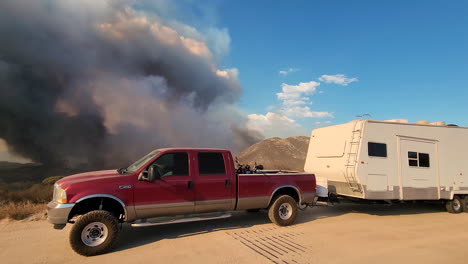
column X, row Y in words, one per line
column 465, row 204
column 94, row 233
column 283, row 211
column 454, row 206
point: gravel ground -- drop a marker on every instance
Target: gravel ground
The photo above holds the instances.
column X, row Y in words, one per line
column 350, row 233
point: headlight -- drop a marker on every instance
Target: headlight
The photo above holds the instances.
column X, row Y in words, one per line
column 60, row 196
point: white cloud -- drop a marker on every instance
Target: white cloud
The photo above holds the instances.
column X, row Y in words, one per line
column 288, row 71
column 340, row 79
column 274, row 125
column 324, row 123
column 303, row 112
column 294, row 98
column 295, row 101
column 231, row 73
column 296, row 91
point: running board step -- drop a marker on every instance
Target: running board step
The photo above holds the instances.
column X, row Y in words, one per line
column 182, row 220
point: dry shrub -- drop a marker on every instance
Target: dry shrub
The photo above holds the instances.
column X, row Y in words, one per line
column 19, row 211
column 51, row 180
column 37, row 193
column 22, row 200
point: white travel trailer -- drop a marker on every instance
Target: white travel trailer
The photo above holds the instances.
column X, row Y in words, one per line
column 393, row 160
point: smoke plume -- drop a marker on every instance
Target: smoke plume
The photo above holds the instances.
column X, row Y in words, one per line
column 98, row 82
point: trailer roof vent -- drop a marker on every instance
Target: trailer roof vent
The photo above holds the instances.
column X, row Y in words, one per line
column 422, row 122
column 438, row 123
column 397, row 120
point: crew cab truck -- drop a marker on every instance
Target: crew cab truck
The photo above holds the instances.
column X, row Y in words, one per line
column 171, row 185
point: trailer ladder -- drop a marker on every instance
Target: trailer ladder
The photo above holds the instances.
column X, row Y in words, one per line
column 351, row 160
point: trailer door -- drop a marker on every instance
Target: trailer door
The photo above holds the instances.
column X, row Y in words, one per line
column 419, row 173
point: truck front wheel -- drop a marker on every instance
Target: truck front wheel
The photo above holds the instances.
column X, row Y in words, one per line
column 94, row 233
column 454, row 206
column 283, row 211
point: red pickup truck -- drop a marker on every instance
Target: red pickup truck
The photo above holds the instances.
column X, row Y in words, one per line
column 166, row 186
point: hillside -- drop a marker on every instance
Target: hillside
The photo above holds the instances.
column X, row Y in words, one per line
column 277, row 153
column 30, row 172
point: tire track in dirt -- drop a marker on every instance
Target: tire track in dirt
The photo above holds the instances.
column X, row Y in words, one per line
column 277, row 244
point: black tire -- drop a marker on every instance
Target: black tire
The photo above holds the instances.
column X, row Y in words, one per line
column 465, row 204
column 96, row 227
column 454, row 206
column 253, row 210
column 283, row 210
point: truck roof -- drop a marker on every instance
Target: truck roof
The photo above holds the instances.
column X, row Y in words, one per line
column 196, row 149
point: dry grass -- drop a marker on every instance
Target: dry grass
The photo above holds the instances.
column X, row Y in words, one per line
column 20, row 200
column 36, row 193
column 22, row 210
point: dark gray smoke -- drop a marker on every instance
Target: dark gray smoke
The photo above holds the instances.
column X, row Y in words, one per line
column 98, row 83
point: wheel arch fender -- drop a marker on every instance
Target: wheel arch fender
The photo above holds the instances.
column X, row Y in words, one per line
column 290, row 190
column 96, row 197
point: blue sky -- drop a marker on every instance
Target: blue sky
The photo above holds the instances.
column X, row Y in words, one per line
column 305, row 64
column 410, row 57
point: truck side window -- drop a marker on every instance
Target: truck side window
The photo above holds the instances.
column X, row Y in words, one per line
column 377, row 149
column 210, row 163
column 172, row 164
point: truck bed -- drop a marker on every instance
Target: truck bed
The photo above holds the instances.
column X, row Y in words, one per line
column 257, row 190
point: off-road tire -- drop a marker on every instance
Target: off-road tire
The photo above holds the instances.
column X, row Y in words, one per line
column 454, row 206
column 465, row 204
column 252, row 210
column 99, row 216
column 284, row 218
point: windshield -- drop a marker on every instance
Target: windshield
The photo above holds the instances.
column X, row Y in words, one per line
column 135, row 166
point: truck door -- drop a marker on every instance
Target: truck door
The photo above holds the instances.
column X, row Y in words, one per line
column 172, row 194
column 419, row 174
column 214, row 182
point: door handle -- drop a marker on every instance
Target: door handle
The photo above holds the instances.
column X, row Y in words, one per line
column 190, row 185
column 227, row 183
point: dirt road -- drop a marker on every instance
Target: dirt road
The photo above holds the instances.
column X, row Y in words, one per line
column 339, row 234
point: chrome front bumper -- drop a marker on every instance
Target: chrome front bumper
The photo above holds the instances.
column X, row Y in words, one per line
column 57, row 213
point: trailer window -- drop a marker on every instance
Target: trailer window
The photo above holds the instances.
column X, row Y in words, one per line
column 412, row 159
column 413, row 163
column 377, row 149
column 416, row 159
column 211, row 163
column 424, row 160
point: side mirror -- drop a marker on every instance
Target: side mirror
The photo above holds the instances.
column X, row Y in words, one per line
column 150, row 175
column 143, row 176
column 153, row 173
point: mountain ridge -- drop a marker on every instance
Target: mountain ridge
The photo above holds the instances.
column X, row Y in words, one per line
column 277, row 153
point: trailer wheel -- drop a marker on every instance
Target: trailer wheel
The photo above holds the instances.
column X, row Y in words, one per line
column 465, row 204
column 94, row 233
column 455, row 206
column 283, row 211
